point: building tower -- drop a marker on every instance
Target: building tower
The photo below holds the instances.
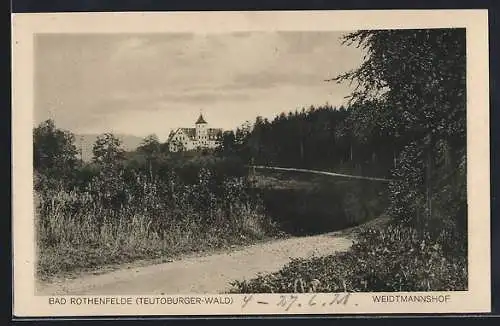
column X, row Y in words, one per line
column 201, row 131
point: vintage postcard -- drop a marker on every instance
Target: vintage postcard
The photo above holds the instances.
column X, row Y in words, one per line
column 251, row 163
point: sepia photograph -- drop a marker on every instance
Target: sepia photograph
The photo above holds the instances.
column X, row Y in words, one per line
column 182, row 163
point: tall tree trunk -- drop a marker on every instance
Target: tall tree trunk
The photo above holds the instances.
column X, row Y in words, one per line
column 447, row 155
column 150, row 168
column 302, row 151
column 428, row 178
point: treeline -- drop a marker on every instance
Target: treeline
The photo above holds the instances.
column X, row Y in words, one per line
column 323, row 137
column 56, row 159
column 299, row 139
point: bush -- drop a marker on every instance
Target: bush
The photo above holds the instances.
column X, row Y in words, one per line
column 124, row 214
column 393, row 259
column 437, row 205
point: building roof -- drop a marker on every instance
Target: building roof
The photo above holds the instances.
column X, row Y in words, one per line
column 212, row 133
column 200, row 119
column 190, row 132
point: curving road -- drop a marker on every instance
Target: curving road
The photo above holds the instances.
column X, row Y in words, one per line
column 199, row 275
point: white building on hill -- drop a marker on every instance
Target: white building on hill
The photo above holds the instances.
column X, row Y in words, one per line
column 186, row 139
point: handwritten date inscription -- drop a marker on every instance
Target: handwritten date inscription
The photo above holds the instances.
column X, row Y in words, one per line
column 290, row 301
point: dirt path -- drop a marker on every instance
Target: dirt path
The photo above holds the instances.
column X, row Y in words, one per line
column 331, row 174
column 206, row 274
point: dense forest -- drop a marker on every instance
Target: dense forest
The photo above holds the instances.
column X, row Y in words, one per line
column 322, row 138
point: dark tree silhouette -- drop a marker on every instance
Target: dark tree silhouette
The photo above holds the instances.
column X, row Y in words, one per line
column 414, row 84
column 54, row 151
column 107, row 150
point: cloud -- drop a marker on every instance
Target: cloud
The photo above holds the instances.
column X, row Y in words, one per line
column 140, row 81
column 269, row 79
column 307, row 43
column 185, row 96
column 205, row 98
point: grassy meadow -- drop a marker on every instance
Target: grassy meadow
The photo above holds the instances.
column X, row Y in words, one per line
column 120, row 218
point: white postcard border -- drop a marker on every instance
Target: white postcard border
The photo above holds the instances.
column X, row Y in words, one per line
column 476, row 299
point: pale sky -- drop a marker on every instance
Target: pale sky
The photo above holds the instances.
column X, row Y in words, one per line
column 152, row 83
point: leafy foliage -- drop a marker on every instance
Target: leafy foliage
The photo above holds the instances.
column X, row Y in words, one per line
column 107, row 150
column 414, row 81
column 384, row 260
column 54, row 152
column 151, row 146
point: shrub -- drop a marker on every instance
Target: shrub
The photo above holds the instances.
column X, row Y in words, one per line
column 397, row 258
column 124, row 214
